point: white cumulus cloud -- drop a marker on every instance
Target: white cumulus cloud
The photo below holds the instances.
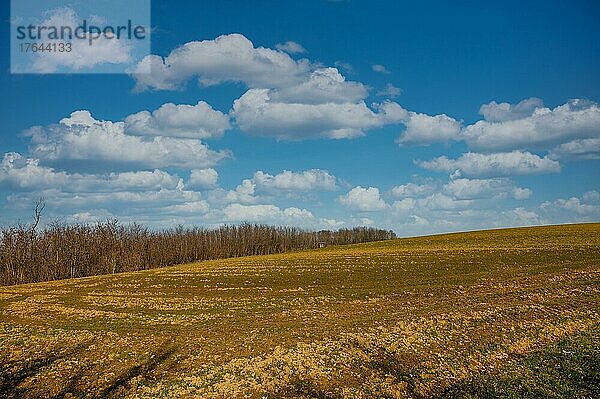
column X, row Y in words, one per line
column 255, row 112
column 80, row 137
column 426, row 129
column 203, row 178
column 82, row 54
column 265, row 213
column 577, row 149
column 473, row 164
column 324, row 85
column 502, row 112
column 228, row 58
column 545, row 127
column 575, row 209
column 413, row 190
column 28, row 174
column 363, row 199
column 308, row 180
column 485, row 188
column 198, row 121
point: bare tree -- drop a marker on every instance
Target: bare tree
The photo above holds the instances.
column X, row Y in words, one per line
column 76, row 250
column 40, row 204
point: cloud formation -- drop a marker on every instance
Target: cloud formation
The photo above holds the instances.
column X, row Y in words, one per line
column 485, row 188
column 287, row 99
column 198, row 121
column 291, row 47
column 80, row 137
column 425, row 129
column 528, row 125
column 257, row 113
column 203, row 178
column 390, row 91
column 413, row 190
column 27, row 174
column 308, row 180
column 575, row 209
column 577, row 149
column 363, row 199
column 228, row 58
column 266, row 213
column 502, row 112
column 379, row 68
column 472, row 164
column 82, row 55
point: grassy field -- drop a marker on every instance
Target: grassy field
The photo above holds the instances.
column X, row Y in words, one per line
column 502, row 313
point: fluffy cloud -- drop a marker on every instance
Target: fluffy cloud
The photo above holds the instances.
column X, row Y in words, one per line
column 485, row 188
column 455, row 216
column 444, row 211
column 422, row 207
column 192, row 207
column 577, row 149
column 198, row 121
column 443, row 202
column 203, row 178
column 273, row 214
column 244, row 193
column 324, row 85
column 123, row 202
column 591, row 197
column 325, row 105
column 425, row 129
column 404, row 205
column 264, row 183
column 494, row 112
column 255, row 112
column 313, row 179
column 489, row 165
column 287, row 99
column 584, row 209
column 525, row 125
column 263, row 213
column 80, row 137
column 432, row 199
column 28, row 174
column 413, row 190
column 82, row 55
column 291, row 47
column 228, row 58
column 512, row 128
column 363, row 199
column 520, row 193
column 24, row 173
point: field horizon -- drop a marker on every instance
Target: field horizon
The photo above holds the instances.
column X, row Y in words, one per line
column 489, row 313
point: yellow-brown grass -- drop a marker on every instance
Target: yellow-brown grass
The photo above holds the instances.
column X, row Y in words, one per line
column 404, row 318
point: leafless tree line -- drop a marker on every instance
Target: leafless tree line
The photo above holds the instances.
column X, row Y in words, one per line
column 75, row 250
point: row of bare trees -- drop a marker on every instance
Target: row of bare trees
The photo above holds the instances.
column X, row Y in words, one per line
column 66, row 251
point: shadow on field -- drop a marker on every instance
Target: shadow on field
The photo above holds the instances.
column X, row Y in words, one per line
column 121, row 382
column 14, row 376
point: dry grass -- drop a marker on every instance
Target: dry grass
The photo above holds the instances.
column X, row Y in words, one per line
column 448, row 315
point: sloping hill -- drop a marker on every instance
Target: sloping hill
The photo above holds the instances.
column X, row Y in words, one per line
column 450, row 315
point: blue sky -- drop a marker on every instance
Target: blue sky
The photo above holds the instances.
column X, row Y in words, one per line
column 420, row 117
